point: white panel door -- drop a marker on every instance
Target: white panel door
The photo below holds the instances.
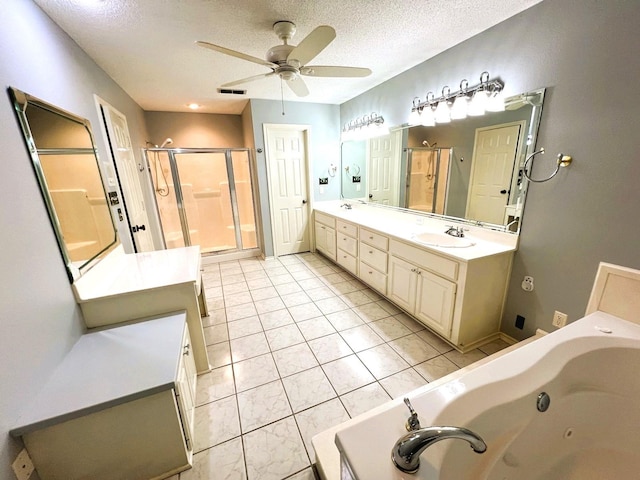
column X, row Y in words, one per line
column 122, row 152
column 382, row 168
column 288, row 192
column 491, row 169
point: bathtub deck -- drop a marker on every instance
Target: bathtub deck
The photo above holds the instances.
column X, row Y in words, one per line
column 327, row 455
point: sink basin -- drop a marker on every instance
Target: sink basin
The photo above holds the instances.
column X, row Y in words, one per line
column 442, row 240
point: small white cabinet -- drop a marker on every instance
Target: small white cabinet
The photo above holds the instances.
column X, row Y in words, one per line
column 120, row 405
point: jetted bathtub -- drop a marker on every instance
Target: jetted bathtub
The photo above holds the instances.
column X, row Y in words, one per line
column 589, row 373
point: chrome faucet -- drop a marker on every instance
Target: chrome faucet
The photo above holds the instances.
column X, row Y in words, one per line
column 347, row 206
column 407, row 450
column 455, row 231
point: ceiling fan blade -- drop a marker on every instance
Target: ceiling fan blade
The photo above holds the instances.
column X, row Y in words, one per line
column 233, row 53
column 248, row 79
column 312, row 44
column 298, row 86
column 328, row 71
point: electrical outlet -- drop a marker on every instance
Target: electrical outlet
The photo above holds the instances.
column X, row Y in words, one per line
column 22, row 465
column 527, row 284
column 559, row 319
column 519, row 322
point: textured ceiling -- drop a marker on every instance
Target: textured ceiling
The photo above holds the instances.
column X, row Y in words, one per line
column 147, row 46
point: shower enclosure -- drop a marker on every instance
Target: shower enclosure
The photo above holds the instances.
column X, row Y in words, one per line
column 204, row 197
column 428, row 179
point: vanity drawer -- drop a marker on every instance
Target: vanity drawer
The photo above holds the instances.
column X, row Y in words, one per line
column 427, row 260
column 348, row 262
column 375, row 239
column 374, row 257
column 347, row 243
column 327, row 220
column 347, row 228
column 373, row 278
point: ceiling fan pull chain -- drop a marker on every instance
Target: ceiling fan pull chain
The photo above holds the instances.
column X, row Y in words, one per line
column 282, row 95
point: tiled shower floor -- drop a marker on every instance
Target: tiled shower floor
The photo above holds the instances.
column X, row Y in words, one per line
column 298, row 345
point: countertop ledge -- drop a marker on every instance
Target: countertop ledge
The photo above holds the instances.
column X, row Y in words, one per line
column 106, row 368
column 405, row 225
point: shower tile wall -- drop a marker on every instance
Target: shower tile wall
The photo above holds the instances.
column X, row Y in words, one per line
column 298, row 345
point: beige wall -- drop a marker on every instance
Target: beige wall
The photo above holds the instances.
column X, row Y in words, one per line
column 195, row 130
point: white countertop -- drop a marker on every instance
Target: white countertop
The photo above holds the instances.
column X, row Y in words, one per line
column 120, row 273
column 107, row 368
column 404, row 225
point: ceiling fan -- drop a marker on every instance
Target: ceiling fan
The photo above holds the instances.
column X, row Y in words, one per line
column 289, row 62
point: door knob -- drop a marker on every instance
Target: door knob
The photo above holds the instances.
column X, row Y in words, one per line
column 135, row 228
column 503, row 192
column 304, row 202
column 371, row 195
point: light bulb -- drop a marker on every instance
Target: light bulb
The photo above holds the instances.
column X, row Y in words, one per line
column 478, row 104
column 495, row 102
column 443, row 112
column 427, row 118
column 414, row 117
column 459, row 107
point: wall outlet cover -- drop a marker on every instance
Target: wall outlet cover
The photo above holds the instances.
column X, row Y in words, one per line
column 519, row 322
column 324, row 180
column 559, row 319
column 22, row 465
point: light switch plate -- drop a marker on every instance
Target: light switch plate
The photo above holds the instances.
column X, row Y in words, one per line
column 23, row 466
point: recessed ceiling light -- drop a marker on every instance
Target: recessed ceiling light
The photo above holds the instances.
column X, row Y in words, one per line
column 193, row 106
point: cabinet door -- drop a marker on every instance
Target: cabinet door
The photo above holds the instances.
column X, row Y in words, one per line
column 186, row 390
column 326, row 240
column 321, row 237
column 434, row 302
column 402, row 283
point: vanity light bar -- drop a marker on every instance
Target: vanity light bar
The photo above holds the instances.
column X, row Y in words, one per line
column 476, row 100
column 363, row 127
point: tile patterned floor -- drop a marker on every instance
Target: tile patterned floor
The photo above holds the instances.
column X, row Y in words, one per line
column 298, row 345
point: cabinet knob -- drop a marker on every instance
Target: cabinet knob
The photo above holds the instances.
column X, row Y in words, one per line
column 185, row 349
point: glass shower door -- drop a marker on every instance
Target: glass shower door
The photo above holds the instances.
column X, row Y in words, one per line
column 205, row 197
column 428, row 172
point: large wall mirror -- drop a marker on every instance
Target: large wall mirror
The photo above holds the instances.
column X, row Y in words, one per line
column 66, row 164
column 469, row 169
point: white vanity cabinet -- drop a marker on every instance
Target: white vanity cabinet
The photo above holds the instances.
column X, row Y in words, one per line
column 347, row 246
column 457, row 293
column 120, row 405
column 325, row 230
column 122, row 287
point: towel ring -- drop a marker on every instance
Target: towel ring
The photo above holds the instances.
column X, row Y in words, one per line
column 562, row 161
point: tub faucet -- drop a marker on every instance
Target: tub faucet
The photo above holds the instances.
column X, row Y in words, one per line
column 407, row 450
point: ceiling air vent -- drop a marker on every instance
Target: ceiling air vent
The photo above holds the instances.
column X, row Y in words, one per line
column 231, row 91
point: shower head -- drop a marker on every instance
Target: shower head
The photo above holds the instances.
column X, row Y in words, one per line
column 166, row 142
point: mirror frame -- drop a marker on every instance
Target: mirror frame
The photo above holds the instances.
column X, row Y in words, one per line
column 529, row 148
column 21, row 101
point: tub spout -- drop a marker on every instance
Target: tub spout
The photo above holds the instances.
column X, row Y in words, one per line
column 407, row 450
